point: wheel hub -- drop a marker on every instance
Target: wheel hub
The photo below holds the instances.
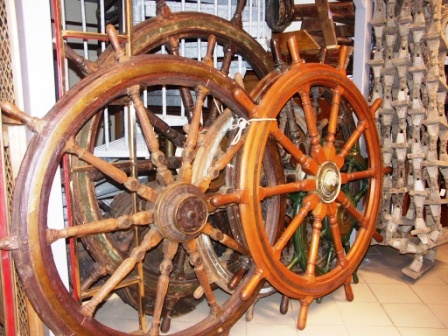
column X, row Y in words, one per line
column 328, row 182
column 181, row 212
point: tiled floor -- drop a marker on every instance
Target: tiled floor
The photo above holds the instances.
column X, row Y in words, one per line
column 386, row 303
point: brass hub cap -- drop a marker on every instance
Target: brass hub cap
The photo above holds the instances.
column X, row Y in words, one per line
column 328, row 182
column 181, row 212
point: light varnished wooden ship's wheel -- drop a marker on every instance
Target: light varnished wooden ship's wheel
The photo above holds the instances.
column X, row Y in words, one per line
column 178, row 205
column 323, row 185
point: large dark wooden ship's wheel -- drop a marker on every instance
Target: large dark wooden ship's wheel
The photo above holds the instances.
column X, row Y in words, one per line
column 323, row 184
column 178, row 206
column 169, row 31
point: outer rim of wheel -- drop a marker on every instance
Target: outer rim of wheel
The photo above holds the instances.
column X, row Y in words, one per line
column 34, row 258
column 269, row 267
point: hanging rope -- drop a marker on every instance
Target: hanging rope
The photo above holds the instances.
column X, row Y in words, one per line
column 241, row 125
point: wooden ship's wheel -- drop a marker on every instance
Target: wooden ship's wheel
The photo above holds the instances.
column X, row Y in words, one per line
column 166, row 30
column 323, row 185
column 178, row 207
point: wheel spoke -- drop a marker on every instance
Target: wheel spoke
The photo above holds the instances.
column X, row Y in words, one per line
column 192, row 137
column 150, row 240
column 86, row 66
column 224, row 239
column 110, row 170
column 302, row 185
column 345, row 202
column 358, row 175
column 179, row 262
column 208, row 58
column 177, row 138
column 334, row 113
column 252, row 284
column 303, row 312
column 239, row 275
column 337, row 241
column 217, row 200
column 169, row 250
column 311, row 123
column 308, row 165
column 360, row 194
column 143, row 167
column 213, row 113
column 157, row 156
column 308, row 204
column 34, row 124
column 352, row 141
column 169, row 309
column 101, row 226
column 316, row 93
column 229, row 51
column 327, row 264
column 319, row 213
column 185, row 94
column 296, row 122
column 99, row 271
column 125, row 166
column 196, row 261
column 333, row 122
column 120, row 54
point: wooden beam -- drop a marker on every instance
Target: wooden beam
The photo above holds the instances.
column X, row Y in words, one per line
column 327, row 24
column 342, row 12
